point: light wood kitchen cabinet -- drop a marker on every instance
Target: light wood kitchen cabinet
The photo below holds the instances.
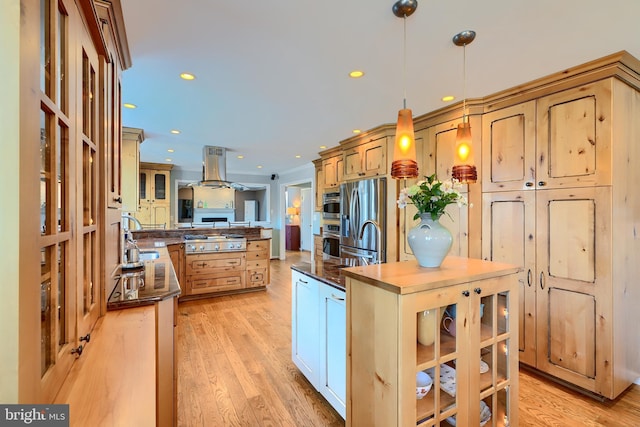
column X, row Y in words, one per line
column 558, row 201
column 557, row 141
column 258, row 263
column 333, row 170
column 317, row 248
column 214, row 272
column 395, row 330
column 154, row 195
column 319, row 184
column 131, row 140
column 176, row 253
column 362, row 160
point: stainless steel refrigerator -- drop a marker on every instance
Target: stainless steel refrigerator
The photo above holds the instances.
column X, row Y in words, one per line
column 363, row 221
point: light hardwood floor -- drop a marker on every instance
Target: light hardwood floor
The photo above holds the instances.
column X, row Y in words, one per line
column 235, row 369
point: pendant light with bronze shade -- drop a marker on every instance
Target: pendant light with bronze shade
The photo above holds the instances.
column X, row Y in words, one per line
column 464, row 169
column 404, row 163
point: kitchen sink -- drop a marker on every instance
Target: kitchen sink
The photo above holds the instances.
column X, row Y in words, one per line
column 147, row 255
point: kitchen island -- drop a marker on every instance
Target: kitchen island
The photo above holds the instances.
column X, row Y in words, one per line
column 396, row 332
column 216, row 261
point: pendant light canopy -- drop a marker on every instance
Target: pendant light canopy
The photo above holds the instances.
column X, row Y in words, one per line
column 464, row 169
column 404, row 163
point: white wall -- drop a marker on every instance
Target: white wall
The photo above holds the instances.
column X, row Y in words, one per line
column 9, row 194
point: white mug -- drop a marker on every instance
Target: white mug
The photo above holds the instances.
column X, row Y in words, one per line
column 451, row 326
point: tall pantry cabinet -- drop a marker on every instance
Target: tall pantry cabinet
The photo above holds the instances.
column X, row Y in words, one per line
column 72, row 54
column 560, row 167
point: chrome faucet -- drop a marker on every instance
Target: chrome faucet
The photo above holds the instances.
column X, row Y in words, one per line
column 378, row 236
column 130, row 220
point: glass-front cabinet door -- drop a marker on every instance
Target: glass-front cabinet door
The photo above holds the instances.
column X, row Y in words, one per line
column 458, row 342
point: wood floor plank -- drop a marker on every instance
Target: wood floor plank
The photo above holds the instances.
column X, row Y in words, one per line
column 235, row 369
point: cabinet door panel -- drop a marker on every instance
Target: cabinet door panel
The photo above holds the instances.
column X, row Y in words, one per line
column 374, row 158
column 509, row 236
column 333, row 345
column 574, row 130
column 572, row 331
column 508, row 139
column 574, row 284
column 571, row 240
column 305, row 326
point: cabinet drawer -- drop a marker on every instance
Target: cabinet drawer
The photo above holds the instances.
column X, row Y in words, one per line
column 215, row 282
column 257, row 245
column 260, row 254
column 260, row 263
column 256, row 277
column 207, row 263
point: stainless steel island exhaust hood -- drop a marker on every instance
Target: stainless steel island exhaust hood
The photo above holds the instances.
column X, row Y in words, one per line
column 214, row 169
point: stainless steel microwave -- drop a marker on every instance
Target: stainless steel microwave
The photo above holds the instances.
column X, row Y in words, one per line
column 331, row 205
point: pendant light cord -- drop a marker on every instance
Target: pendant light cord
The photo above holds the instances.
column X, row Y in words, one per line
column 464, row 83
column 404, row 64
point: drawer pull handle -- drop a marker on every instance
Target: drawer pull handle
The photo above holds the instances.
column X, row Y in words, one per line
column 337, row 298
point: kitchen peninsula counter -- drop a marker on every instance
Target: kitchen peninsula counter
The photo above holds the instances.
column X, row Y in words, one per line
column 159, row 282
column 132, row 349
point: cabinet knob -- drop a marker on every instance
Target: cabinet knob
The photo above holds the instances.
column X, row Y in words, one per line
column 529, row 184
column 86, row 338
column 466, row 293
column 541, row 183
column 77, row 350
column 477, row 291
column 117, row 199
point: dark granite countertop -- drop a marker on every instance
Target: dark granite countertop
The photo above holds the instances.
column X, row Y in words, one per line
column 155, row 281
column 328, row 271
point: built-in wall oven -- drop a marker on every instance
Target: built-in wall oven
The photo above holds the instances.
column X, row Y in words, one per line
column 331, row 205
column 331, row 240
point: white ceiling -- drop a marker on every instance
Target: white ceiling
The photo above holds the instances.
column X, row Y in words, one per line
column 272, row 74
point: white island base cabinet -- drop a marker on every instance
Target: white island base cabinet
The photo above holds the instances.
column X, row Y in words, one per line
column 318, row 337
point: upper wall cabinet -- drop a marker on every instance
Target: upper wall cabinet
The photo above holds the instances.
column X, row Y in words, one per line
column 365, row 160
column 551, row 142
column 131, row 140
column 333, row 168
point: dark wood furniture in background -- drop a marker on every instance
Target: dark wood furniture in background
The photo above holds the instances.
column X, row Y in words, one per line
column 292, row 237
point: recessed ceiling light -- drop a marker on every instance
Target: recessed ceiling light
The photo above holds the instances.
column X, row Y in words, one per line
column 240, row 156
column 187, row 76
column 128, row 105
column 259, row 166
column 322, row 147
column 356, row 131
column 174, row 131
column 448, row 98
column 170, row 150
column 298, row 156
column 167, row 160
column 356, row 74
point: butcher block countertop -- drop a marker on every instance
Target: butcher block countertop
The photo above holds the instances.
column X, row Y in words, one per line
column 113, row 383
column 408, row 277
